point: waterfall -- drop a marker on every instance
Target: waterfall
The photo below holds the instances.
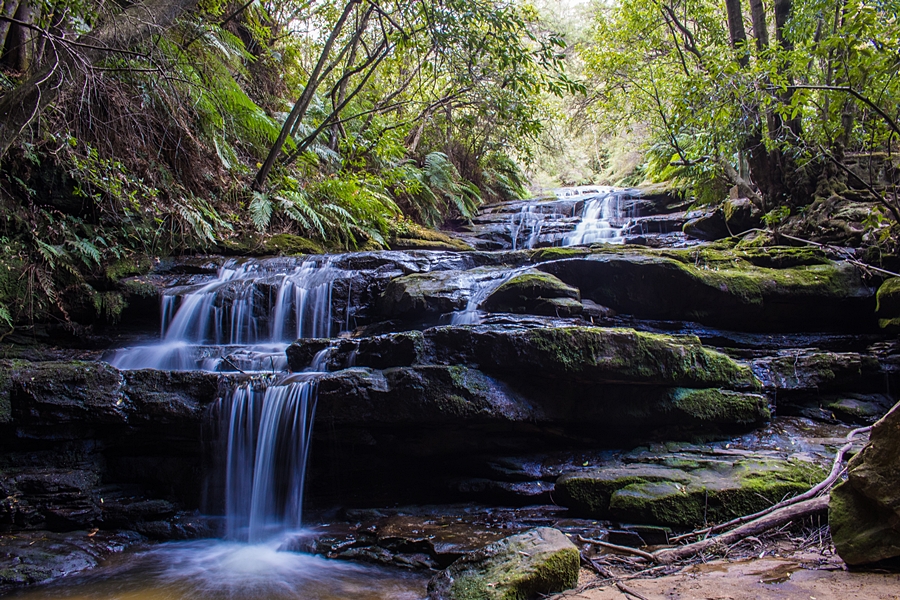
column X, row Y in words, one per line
column 529, row 219
column 597, row 220
column 241, row 320
column 267, row 433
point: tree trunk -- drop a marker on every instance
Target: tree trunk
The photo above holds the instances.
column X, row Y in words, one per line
column 9, row 10
column 67, row 64
column 16, row 51
column 737, row 32
column 306, row 97
column 760, row 27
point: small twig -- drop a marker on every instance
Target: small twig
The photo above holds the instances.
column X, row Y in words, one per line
column 630, row 591
column 232, row 365
column 617, row 548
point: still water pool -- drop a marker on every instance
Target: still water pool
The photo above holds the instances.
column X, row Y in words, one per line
column 218, row 570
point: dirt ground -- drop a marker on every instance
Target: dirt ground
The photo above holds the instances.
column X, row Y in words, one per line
column 777, row 570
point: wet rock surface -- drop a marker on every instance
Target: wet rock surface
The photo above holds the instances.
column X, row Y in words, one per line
column 33, row 557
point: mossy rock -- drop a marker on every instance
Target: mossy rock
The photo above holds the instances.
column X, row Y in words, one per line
column 525, row 566
column 887, row 305
column 749, row 289
column 865, row 510
column 282, row 244
column 421, row 294
column 721, row 407
column 547, row 254
column 412, row 236
column 535, row 292
column 285, row 244
column 68, row 391
column 699, row 491
column 132, row 266
column 591, row 355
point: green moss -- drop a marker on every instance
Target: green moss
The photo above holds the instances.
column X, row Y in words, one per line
column 132, row 266
column 286, row 244
column 545, row 254
column 699, row 491
column 629, row 355
column 722, row 406
column 139, row 287
column 409, row 235
column 522, row 567
column 558, row 572
column 888, row 299
column 538, row 283
column 109, row 305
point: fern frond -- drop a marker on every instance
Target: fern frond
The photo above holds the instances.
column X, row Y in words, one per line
column 261, row 211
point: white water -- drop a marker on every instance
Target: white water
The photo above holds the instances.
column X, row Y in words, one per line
column 221, row 570
column 242, row 320
column 529, row 219
column 267, row 431
column 597, row 219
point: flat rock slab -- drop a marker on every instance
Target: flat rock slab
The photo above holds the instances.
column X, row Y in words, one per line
column 35, row 556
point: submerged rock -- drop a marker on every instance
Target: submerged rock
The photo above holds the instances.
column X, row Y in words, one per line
column 864, row 514
column 523, row 566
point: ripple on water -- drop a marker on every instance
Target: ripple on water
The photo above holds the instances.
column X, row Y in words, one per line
column 219, row 570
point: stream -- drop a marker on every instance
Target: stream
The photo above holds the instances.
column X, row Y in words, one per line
column 399, row 409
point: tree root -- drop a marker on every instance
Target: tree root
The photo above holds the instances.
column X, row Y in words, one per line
column 774, row 519
column 798, row 507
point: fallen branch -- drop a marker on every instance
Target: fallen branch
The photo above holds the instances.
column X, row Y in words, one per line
column 852, row 261
column 774, row 519
column 630, row 591
column 617, row 548
column 836, row 470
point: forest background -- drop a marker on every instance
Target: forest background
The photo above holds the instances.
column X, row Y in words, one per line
column 134, row 131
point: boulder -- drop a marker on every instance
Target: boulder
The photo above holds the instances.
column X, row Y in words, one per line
column 28, row 558
column 685, row 491
column 537, row 293
column 425, row 294
column 815, row 370
column 523, row 566
column 589, row 355
column 763, row 289
column 709, row 225
column 740, row 215
column 864, row 514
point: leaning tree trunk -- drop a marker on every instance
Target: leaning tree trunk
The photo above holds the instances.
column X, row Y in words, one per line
column 67, row 62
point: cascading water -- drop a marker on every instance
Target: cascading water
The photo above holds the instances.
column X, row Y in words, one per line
column 531, row 220
column 597, row 220
column 242, row 320
column 267, row 432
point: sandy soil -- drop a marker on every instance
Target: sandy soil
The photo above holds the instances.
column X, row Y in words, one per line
column 802, row 576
